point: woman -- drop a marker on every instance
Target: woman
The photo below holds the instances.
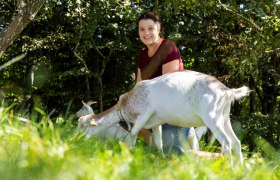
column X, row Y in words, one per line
column 160, row 56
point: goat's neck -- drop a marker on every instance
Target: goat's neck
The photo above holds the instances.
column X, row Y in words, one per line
column 108, row 118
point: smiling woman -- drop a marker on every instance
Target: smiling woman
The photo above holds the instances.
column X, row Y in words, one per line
column 160, row 56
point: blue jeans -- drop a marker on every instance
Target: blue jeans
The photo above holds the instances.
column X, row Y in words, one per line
column 170, row 138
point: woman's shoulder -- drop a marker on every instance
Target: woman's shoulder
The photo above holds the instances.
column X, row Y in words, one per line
column 171, row 50
column 169, row 43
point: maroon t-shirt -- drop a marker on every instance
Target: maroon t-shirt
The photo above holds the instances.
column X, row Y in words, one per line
column 172, row 54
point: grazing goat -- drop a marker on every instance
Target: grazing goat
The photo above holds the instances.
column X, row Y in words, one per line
column 182, row 98
column 119, row 133
column 116, row 131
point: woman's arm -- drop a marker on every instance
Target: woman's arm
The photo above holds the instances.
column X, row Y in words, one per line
column 138, row 78
column 166, row 68
column 170, row 66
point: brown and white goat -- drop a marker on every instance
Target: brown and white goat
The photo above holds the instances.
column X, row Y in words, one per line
column 119, row 133
column 182, row 98
column 116, row 131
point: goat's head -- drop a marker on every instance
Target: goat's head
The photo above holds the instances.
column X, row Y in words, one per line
column 93, row 124
column 87, row 125
column 87, row 120
column 86, row 109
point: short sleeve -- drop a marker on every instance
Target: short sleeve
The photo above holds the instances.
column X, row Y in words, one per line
column 152, row 66
column 173, row 53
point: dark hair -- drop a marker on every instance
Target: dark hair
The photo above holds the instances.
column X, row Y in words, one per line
column 150, row 15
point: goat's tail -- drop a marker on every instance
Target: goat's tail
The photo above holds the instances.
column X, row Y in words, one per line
column 240, row 92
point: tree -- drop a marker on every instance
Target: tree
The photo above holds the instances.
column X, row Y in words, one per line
column 25, row 13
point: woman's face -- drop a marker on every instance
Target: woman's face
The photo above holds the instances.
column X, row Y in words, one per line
column 148, row 31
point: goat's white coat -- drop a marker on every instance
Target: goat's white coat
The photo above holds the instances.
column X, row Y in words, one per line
column 182, row 98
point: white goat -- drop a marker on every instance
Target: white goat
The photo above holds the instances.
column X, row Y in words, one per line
column 182, row 98
column 116, row 131
column 119, row 133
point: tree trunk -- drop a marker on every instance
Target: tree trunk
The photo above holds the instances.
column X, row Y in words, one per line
column 104, row 62
column 26, row 13
column 252, row 96
column 270, row 93
column 100, row 94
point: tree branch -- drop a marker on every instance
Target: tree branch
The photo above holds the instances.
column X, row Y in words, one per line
column 239, row 15
column 96, row 48
column 273, row 51
column 78, row 56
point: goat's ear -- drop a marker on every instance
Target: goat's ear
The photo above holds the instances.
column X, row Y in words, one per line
column 93, row 123
column 84, row 104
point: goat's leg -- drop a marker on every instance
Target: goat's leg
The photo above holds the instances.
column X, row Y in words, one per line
column 236, row 145
column 200, row 131
column 157, row 134
column 216, row 125
column 193, row 140
column 140, row 122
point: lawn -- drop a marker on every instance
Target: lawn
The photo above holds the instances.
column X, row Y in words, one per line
column 54, row 150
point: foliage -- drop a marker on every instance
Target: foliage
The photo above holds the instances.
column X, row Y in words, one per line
column 255, row 127
column 53, row 150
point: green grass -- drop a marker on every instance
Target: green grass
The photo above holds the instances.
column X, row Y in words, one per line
column 45, row 150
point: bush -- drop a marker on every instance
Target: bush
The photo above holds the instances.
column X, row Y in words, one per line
column 256, row 127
